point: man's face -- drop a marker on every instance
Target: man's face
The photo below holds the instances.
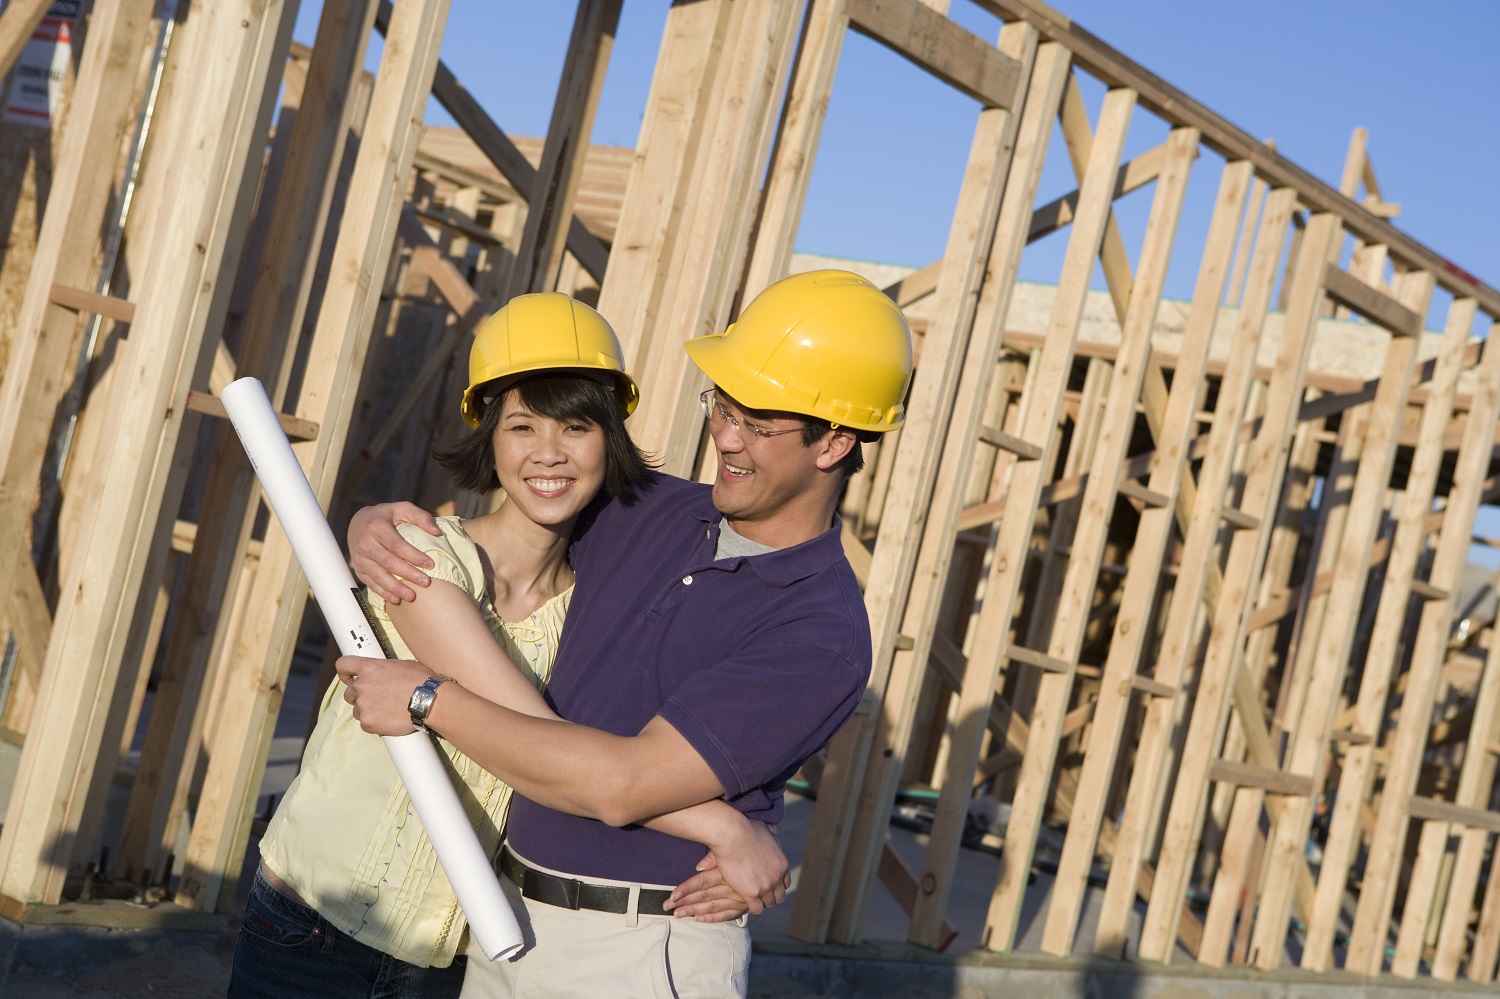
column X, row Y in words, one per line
column 761, row 479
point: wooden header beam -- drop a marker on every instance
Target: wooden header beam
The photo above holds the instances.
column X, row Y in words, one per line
column 955, row 56
column 1110, row 66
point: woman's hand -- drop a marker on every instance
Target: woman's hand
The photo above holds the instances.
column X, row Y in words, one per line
column 380, row 690
column 746, row 873
column 381, row 557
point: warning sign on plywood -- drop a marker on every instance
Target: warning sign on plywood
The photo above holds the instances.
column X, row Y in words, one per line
column 37, row 82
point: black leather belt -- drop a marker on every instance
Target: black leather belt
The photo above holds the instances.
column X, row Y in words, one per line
column 570, row 893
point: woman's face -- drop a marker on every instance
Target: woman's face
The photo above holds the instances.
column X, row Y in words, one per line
column 549, row 468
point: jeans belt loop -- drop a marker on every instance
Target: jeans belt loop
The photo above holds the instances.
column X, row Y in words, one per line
column 633, row 907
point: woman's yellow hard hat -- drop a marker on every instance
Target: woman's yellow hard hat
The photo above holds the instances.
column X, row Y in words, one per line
column 543, row 332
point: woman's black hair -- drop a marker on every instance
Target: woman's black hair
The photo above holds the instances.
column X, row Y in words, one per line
column 557, row 395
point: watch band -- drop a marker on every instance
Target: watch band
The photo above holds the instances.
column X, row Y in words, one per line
column 421, row 700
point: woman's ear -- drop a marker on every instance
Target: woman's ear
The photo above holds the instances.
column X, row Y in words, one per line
column 835, row 447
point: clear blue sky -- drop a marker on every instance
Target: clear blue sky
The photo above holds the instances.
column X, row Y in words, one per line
column 1305, row 73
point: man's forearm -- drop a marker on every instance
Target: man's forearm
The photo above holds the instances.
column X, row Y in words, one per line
column 572, row 768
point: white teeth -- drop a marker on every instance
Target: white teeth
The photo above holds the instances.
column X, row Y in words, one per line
column 736, row 471
column 548, row 485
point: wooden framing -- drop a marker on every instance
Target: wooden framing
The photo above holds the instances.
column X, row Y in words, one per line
column 1139, row 571
column 1401, row 565
column 293, row 230
column 1132, row 623
column 550, row 206
column 1377, row 893
column 262, row 653
column 981, row 226
column 173, row 303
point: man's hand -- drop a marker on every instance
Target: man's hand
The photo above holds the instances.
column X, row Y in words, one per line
column 750, row 875
column 381, row 557
column 380, row 690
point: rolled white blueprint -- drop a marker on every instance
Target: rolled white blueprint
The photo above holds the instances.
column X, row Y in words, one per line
column 469, row 871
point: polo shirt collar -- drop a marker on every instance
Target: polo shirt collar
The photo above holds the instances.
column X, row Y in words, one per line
column 785, row 565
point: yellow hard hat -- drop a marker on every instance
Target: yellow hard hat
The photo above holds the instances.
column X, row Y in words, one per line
column 826, row 343
column 544, row 332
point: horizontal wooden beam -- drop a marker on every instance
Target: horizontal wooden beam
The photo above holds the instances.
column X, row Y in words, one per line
column 1042, row 661
column 1110, row 66
column 1155, row 688
column 449, row 218
column 1425, row 590
column 938, row 45
column 1239, row 519
column 1372, row 303
column 79, row 300
column 1131, row 489
column 915, row 286
column 1131, row 176
column 1009, row 442
column 1432, row 810
column 296, row 428
column 1269, row 779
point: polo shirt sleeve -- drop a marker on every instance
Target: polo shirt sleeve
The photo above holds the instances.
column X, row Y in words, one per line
column 757, row 717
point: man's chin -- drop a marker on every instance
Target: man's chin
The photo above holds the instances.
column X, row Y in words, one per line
column 724, row 493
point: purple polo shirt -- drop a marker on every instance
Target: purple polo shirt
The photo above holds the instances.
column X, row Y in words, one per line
column 755, row 661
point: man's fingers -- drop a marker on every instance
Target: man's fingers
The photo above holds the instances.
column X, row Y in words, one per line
column 403, row 512
column 391, row 588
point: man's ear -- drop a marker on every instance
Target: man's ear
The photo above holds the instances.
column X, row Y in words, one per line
column 835, row 447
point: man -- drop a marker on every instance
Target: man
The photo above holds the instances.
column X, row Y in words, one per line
column 716, row 640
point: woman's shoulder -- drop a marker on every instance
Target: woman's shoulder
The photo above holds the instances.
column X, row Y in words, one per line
column 451, row 534
column 452, row 545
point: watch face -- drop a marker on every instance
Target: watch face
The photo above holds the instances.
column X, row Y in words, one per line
column 421, row 701
column 422, row 698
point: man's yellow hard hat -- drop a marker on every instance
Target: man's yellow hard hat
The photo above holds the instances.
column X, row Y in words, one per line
column 543, row 332
column 825, row 343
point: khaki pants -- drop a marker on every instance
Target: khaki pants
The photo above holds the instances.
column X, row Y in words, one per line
column 588, row 955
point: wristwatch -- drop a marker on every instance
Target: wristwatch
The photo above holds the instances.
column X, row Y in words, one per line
column 421, row 700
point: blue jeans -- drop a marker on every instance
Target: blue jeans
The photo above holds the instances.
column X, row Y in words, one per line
column 286, row 949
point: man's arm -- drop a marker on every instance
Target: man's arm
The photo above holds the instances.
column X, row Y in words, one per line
column 619, row 780
column 443, row 625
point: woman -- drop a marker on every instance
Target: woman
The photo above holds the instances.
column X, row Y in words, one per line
column 349, row 898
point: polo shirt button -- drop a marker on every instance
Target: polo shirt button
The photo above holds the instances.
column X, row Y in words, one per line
column 687, row 580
